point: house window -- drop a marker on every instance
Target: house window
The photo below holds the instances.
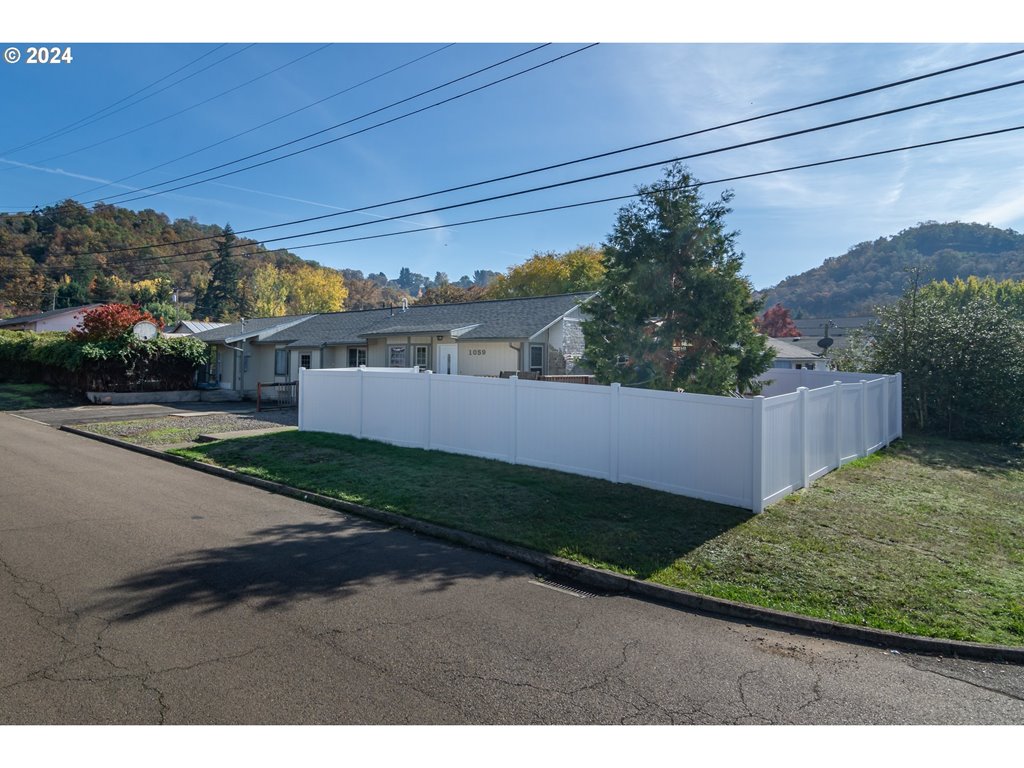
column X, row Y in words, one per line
column 537, row 358
column 396, row 357
column 280, row 362
column 356, row 356
column 420, row 356
column 306, row 360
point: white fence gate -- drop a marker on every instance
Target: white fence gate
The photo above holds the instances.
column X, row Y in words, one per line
column 742, row 452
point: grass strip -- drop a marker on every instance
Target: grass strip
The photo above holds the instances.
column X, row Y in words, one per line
column 926, row 537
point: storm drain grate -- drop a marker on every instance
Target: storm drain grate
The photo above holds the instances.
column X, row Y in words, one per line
column 561, row 586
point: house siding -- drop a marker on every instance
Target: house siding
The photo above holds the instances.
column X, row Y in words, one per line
column 487, row 358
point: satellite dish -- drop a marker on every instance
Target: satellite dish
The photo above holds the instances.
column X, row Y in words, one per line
column 826, row 342
column 145, row 330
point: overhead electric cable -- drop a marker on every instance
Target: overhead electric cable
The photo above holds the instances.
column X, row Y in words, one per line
column 188, row 108
column 346, row 136
column 610, row 153
column 166, row 87
column 607, row 174
column 66, row 129
column 176, row 259
column 264, row 124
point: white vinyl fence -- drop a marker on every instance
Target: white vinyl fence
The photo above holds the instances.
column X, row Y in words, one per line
column 742, row 452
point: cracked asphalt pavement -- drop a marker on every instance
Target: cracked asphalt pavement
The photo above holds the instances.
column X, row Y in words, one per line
column 136, row 591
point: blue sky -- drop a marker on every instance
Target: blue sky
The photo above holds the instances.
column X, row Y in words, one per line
column 614, row 95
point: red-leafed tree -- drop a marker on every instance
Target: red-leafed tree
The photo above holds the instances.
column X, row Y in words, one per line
column 777, row 323
column 110, row 322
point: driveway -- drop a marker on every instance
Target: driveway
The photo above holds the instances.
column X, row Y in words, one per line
column 137, row 591
column 86, row 414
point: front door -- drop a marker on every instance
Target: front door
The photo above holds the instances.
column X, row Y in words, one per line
column 447, row 358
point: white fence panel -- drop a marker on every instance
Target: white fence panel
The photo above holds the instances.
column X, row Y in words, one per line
column 469, row 414
column 329, row 402
column 564, row 427
column 395, row 408
column 850, row 422
column 694, row 445
column 875, row 414
column 743, row 452
column 896, row 407
column 821, row 434
column 782, row 452
column 786, row 380
column 780, row 381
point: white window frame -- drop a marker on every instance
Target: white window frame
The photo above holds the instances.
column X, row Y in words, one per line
column 305, row 360
column 398, row 354
column 416, row 350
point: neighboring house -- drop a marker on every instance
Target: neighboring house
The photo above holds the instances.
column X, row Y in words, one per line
column 54, row 320
column 788, row 355
column 480, row 338
column 812, row 330
column 189, row 328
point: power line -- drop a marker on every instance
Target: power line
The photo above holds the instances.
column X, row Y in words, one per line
column 353, row 133
column 332, row 127
column 65, row 129
column 634, row 147
column 188, row 108
column 594, row 177
column 265, row 124
column 205, row 253
column 151, row 95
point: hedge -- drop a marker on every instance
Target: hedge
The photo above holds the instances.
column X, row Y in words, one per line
column 125, row 364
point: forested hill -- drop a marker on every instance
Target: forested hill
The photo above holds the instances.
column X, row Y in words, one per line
column 41, row 261
column 877, row 272
column 68, row 255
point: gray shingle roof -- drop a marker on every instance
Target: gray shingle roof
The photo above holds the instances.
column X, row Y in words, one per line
column 500, row 319
column 252, row 325
column 330, row 328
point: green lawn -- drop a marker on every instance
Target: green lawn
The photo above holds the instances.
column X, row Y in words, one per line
column 926, row 537
column 18, row 397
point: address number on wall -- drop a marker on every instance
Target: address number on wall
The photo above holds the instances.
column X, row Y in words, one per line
column 473, row 352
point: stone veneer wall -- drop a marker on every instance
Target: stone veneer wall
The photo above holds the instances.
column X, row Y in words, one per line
column 565, row 360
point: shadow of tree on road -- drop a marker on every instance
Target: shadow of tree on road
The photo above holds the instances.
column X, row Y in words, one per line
column 275, row 566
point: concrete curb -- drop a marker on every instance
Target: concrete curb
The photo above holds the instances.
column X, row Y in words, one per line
column 600, row 579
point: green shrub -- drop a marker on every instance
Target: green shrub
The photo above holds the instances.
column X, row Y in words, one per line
column 123, row 364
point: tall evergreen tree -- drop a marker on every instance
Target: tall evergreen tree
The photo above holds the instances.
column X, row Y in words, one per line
column 222, row 300
column 674, row 312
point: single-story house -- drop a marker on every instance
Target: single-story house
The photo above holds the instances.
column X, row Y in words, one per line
column 54, row 320
column 789, row 355
column 482, row 338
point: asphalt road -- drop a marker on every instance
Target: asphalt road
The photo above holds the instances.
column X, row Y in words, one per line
column 136, row 591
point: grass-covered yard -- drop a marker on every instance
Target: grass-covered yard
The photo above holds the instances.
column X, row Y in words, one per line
column 926, row 537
